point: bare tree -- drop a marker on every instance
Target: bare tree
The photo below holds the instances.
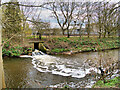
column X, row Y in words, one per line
column 106, row 18
column 89, row 14
column 26, row 12
column 80, row 16
column 98, row 11
column 63, row 13
column 39, row 26
column 112, row 20
column 104, row 12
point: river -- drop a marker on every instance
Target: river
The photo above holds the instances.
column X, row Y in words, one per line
column 75, row 71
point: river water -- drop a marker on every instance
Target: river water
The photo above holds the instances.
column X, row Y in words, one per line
column 75, row 71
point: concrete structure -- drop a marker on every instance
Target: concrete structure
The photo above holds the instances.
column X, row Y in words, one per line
column 38, row 45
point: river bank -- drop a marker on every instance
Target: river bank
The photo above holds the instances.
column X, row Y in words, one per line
column 73, row 45
column 9, row 50
column 64, row 45
column 78, row 51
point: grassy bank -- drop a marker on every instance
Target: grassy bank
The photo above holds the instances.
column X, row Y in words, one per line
column 63, row 45
column 112, row 83
column 59, row 45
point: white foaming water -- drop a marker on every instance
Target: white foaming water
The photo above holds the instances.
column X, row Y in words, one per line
column 57, row 66
column 26, row 56
column 46, row 59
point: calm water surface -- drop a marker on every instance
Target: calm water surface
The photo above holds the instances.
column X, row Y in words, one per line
column 76, row 71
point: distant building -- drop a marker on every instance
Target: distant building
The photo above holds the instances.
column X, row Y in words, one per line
column 93, row 27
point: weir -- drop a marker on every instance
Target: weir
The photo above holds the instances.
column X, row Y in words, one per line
column 38, row 45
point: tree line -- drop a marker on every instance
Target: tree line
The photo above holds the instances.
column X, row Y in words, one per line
column 70, row 16
column 103, row 14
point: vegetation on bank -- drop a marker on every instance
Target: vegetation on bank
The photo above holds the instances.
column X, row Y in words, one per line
column 111, row 83
column 14, row 51
column 59, row 45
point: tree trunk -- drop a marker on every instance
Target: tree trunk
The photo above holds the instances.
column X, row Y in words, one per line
column 104, row 34
column 23, row 33
column 68, row 34
column 63, row 32
column 88, row 35
column 99, row 35
column 40, row 36
column 2, row 82
column 108, row 34
column 80, row 30
column 88, row 29
column 88, row 32
column 1, row 62
column 105, row 31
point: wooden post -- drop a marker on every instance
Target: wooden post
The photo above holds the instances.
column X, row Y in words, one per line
column 2, row 82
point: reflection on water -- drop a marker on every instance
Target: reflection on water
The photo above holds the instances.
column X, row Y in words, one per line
column 75, row 71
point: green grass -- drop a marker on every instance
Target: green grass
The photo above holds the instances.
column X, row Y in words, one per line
column 110, row 83
column 59, row 50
